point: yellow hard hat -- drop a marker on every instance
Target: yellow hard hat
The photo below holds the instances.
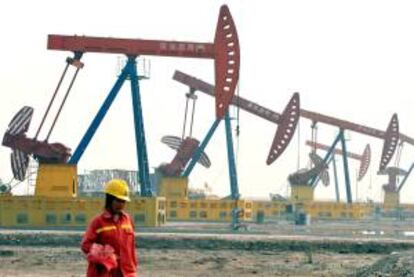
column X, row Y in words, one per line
column 118, row 188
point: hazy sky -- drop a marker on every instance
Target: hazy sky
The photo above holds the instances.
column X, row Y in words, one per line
column 349, row 59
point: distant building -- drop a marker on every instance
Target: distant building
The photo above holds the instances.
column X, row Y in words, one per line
column 92, row 181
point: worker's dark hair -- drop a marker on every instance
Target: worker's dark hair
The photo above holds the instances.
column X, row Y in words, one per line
column 108, row 201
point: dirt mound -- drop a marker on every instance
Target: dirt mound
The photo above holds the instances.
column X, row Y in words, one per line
column 395, row 264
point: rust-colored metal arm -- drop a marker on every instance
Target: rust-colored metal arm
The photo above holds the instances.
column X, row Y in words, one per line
column 347, row 125
column 336, row 151
column 225, row 51
column 238, row 101
column 267, row 114
column 131, row 47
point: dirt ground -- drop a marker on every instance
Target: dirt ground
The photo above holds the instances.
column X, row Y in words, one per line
column 185, row 249
column 58, row 261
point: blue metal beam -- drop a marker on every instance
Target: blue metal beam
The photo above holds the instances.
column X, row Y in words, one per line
column 141, row 146
column 313, row 182
column 318, row 178
column 130, row 70
column 197, row 154
column 346, row 169
column 326, row 158
column 99, row 116
column 231, row 160
column 338, row 197
column 405, row 178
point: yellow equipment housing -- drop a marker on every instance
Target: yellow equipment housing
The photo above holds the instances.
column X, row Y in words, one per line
column 335, row 210
column 391, row 198
column 301, row 193
column 316, row 209
column 180, row 208
column 213, row 210
column 270, row 209
column 174, row 187
column 56, row 180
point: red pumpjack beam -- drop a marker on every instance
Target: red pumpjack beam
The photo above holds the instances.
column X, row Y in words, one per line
column 390, row 136
column 225, row 51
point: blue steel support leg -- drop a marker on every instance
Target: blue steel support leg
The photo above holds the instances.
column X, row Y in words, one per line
column 406, row 177
column 197, row 154
column 99, row 116
column 326, row 158
column 230, row 155
column 346, row 170
column 143, row 167
column 338, row 197
column 235, row 213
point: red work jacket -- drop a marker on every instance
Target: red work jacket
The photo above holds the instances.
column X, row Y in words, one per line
column 105, row 229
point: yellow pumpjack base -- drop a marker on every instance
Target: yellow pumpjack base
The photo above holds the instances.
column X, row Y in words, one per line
column 56, row 180
column 301, row 193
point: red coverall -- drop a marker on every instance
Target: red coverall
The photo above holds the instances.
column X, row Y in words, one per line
column 117, row 232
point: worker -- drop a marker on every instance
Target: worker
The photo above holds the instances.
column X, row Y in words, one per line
column 113, row 229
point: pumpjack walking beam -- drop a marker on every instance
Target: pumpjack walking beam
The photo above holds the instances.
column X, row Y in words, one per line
column 390, row 136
